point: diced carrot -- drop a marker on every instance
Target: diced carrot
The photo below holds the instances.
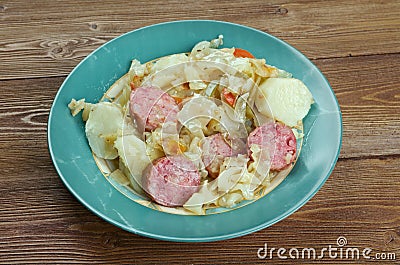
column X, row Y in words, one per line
column 132, row 84
column 242, row 53
column 229, row 97
column 177, row 99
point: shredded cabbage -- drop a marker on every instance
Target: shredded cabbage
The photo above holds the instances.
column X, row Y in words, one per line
column 137, row 69
column 102, row 128
column 217, row 92
column 133, row 153
column 261, row 160
column 195, row 117
column 231, row 122
column 168, row 61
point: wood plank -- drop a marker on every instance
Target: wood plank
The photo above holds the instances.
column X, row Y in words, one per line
column 40, row 221
column 25, row 105
column 366, row 87
column 51, row 38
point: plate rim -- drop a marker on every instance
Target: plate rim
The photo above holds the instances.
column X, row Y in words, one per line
column 243, row 232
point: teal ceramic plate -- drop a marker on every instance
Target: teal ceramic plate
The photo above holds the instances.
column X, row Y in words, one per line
column 92, row 77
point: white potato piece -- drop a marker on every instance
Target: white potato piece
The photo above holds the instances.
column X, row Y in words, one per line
column 286, row 99
column 132, row 151
column 102, row 129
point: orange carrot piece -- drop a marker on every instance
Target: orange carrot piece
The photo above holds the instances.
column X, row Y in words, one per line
column 229, row 97
column 242, row 53
column 132, row 84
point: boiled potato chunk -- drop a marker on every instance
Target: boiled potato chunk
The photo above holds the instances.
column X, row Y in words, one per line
column 102, row 127
column 285, row 99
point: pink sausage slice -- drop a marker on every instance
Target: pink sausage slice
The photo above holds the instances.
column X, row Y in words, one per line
column 279, row 141
column 171, row 180
column 150, row 107
column 215, row 149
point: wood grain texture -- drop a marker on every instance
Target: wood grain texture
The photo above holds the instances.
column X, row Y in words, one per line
column 368, row 92
column 50, row 38
column 41, row 222
column 367, row 89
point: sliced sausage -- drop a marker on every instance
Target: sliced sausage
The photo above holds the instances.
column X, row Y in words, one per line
column 215, row 149
column 150, row 107
column 171, row 180
column 279, row 140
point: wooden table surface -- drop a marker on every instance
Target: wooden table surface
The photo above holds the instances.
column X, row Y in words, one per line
column 356, row 44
